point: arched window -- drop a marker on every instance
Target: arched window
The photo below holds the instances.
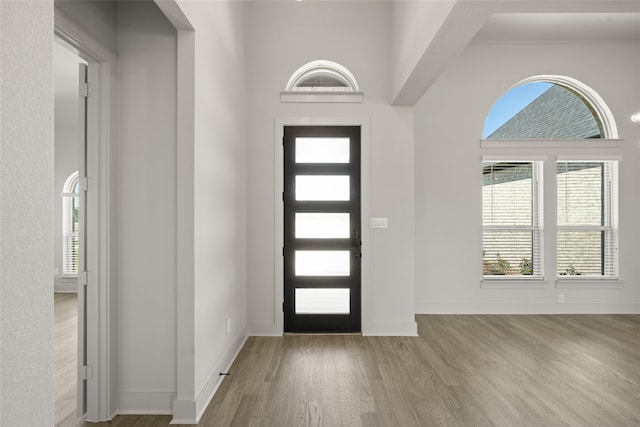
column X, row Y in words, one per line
column 543, row 109
column 550, row 107
column 322, row 81
column 322, row 76
column 70, row 205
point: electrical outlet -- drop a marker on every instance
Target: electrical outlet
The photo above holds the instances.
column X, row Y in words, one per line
column 561, row 298
column 228, row 326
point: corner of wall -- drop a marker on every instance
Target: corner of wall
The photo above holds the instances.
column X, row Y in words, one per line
column 186, row 411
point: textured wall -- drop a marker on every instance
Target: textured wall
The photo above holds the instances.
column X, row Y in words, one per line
column 26, row 178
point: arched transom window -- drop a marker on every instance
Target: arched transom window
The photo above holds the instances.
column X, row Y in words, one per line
column 322, row 81
column 549, row 107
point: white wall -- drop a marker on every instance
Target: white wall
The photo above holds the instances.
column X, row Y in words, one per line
column 26, row 225
column 449, row 123
column 281, row 37
column 415, row 24
column 212, row 178
column 66, row 154
column 147, row 209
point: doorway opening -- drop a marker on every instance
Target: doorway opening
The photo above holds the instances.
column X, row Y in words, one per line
column 69, row 131
column 322, row 229
column 94, row 199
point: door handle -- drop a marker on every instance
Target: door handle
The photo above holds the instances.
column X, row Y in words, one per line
column 355, row 240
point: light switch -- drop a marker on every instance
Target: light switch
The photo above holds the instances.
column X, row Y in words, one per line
column 378, row 222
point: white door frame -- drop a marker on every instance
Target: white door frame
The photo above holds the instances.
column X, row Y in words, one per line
column 365, row 136
column 101, row 259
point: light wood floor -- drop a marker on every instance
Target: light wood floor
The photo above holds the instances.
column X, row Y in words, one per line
column 512, row 371
column 65, row 357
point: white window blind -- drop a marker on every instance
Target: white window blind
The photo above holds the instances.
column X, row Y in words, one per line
column 587, row 240
column 70, row 205
column 512, row 219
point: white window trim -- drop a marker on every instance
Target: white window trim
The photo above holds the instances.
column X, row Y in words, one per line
column 591, row 282
column 339, row 71
column 495, row 281
column 514, row 282
column 552, row 143
column 611, row 223
column 321, row 97
column 349, row 94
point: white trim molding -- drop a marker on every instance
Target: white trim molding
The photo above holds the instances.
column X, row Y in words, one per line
column 190, row 411
column 154, row 402
column 321, row 97
column 552, row 143
column 527, row 308
column 392, row 329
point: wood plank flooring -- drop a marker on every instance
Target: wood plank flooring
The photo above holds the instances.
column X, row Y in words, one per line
column 65, row 357
column 512, row 371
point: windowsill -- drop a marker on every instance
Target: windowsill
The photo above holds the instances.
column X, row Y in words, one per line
column 589, row 283
column 551, row 143
column 513, row 282
column 320, row 97
column 67, row 277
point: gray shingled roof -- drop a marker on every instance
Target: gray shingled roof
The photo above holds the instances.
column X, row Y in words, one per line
column 556, row 114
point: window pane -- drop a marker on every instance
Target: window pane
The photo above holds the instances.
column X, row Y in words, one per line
column 322, row 187
column 70, row 254
column 320, row 79
column 587, row 218
column 510, row 253
column 542, row 110
column 322, row 225
column 322, row 301
column 580, row 253
column 322, row 150
column 322, row 263
column 580, row 194
column 507, row 193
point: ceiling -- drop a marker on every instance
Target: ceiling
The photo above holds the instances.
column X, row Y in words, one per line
column 561, row 28
column 563, row 21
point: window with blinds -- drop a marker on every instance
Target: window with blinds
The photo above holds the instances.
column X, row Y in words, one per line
column 512, row 219
column 70, row 205
column 587, row 241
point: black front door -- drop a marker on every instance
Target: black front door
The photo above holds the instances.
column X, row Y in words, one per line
column 322, row 254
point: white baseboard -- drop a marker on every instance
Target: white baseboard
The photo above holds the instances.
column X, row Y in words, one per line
column 153, row 402
column 400, row 329
column 190, row 411
column 527, row 308
column 65, row 285
column 371, row 329
column 259, row 329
